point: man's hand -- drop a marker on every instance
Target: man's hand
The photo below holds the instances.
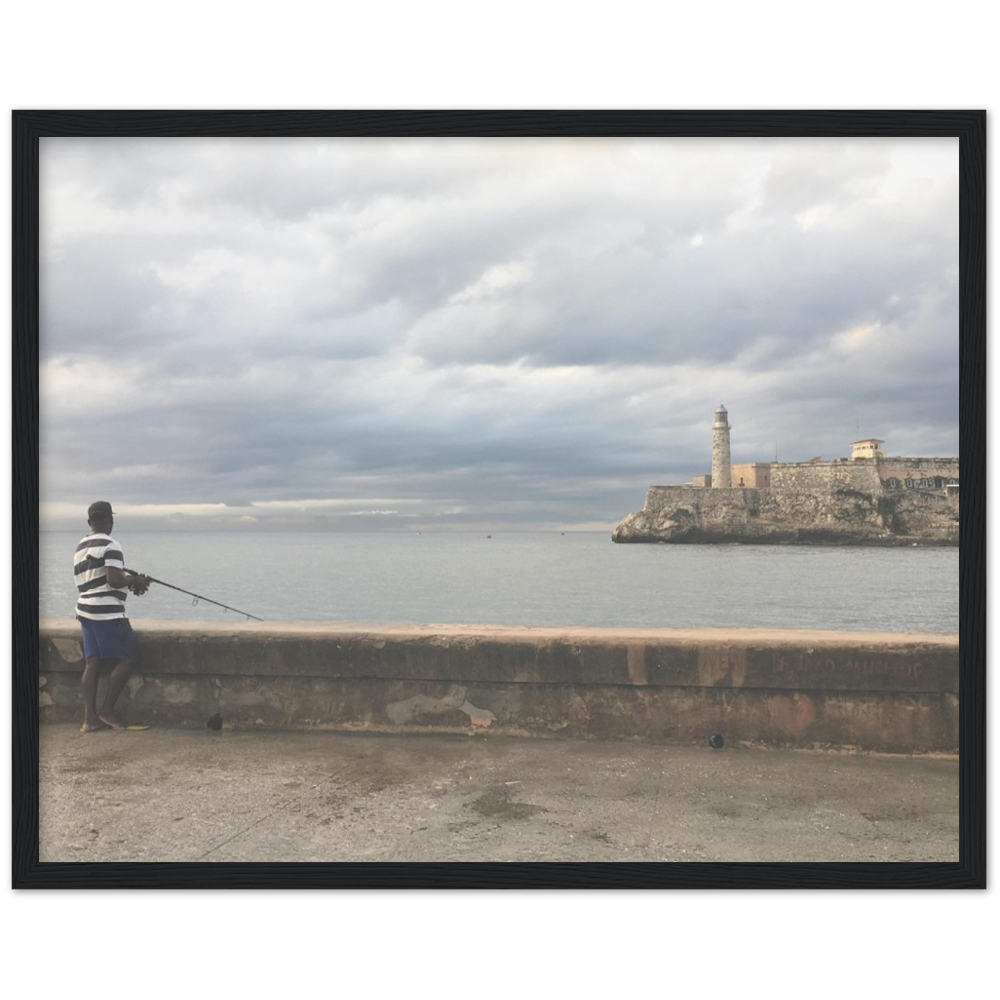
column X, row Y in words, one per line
column 127, row 580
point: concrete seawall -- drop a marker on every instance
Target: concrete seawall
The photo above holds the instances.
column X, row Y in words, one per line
column 880, row 691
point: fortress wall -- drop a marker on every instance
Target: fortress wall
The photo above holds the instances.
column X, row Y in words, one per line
column 718, row 502
column 862, row 475
column 918, row 468
column 881, row 691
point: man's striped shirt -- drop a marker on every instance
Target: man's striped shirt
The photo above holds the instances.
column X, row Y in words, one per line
column 90, row 561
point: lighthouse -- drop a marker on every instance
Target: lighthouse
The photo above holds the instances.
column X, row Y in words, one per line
column 721, row 470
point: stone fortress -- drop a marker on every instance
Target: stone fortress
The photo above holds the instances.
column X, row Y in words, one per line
column 867, row 499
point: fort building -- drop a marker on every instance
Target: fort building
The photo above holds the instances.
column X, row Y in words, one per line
column 868, row 499
column 752, row 475
column 868, row 469
column 869, row 448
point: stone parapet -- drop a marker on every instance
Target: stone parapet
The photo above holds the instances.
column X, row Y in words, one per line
column 884, row 691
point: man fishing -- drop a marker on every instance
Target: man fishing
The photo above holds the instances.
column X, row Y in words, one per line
column 102, row 582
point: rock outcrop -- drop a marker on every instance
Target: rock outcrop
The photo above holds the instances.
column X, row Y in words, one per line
column 839, row 516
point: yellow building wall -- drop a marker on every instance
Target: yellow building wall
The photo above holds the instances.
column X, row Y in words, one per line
column 751, row 475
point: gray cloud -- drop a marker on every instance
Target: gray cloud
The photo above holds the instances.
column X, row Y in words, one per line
column 532, row 330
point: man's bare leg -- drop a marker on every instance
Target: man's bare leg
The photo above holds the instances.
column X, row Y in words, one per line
column 116, row 684
column 91, row 674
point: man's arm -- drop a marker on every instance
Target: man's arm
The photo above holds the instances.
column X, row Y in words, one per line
column 121, row 580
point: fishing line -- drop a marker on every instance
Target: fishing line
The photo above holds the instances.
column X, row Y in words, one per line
column 197, row 597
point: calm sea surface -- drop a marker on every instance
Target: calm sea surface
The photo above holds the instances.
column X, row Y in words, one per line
column 524, row 579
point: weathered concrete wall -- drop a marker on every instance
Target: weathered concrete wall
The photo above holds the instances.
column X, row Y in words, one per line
column 894, row 692
column 843, row 515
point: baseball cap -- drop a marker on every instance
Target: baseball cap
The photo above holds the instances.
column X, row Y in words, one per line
column 100, row 507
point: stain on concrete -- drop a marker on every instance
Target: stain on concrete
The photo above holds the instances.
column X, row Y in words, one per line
column 176, row 693
column 577, row 709
column 496, row 803
column 728, row 809
column 637, row 673
column 44, row 698
column 421, row 705
column 737, row 666
column 401, row 712
column 262, row 697
column 69, row 649
column 504, row 703
column 478, row 716
column 722, row 664
column 792, row 715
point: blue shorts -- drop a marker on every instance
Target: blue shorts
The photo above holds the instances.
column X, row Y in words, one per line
column 110, row 640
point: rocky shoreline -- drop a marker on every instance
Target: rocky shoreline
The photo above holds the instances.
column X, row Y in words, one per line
column 682, row 515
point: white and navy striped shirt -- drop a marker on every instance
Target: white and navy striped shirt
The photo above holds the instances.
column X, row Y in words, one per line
column 97, row 600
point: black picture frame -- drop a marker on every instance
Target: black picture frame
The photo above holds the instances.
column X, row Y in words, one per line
column 968, row 126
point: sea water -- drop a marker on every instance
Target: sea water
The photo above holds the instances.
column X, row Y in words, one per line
column 531, row 579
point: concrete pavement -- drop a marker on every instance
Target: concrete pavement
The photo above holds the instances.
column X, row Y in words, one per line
column 186, row 795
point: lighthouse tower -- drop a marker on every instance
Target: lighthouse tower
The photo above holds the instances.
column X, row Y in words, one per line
column 721, row 470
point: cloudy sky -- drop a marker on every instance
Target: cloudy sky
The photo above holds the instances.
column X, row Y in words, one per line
column 479, row 333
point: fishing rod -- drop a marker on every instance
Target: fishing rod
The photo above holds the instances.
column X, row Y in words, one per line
column 197, row 597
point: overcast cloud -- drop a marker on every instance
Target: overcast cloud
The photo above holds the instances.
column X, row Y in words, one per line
column 488, row 333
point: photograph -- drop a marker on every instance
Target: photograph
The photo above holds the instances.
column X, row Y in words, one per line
column 500, row 499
